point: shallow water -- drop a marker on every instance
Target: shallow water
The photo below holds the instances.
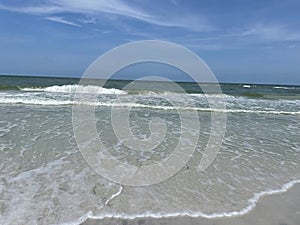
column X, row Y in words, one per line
column 45, row 179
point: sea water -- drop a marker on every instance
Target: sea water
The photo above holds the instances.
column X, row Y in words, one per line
column 44, row 179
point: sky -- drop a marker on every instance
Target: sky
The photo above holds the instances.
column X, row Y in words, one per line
column 241, row 41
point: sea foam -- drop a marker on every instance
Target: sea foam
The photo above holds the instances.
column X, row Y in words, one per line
column 252, row 202
column 46, row 102
column 89, row 89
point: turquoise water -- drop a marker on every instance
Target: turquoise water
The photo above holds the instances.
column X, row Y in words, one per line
column 45, row 180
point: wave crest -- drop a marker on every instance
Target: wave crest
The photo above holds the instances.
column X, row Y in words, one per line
column 89, row 89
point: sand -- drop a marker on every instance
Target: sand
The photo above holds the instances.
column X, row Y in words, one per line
column 278, row 209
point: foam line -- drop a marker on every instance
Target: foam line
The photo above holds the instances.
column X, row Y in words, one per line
column 115, row 195
column 251, row 205
column 137, row 105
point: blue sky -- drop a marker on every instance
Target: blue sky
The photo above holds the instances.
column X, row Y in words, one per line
column 242, row 41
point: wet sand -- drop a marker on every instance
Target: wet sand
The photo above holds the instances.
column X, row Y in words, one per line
column 278, row 209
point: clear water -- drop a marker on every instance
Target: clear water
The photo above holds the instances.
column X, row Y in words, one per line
column 45, row 180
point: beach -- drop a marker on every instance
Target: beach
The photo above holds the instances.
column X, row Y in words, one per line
column 279, row 209
column 149, row 112
column 51, row 175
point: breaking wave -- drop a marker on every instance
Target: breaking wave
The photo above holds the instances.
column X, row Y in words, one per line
column 89, row 89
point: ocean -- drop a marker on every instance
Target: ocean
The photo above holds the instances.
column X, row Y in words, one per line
column 44, row 178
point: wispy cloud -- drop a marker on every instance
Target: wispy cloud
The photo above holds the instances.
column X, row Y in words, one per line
column 90, row 20
column 96, row 8
column 120, row 13
column 272, row 32
column 34, row 10
column 291, row 46
column 62, row 20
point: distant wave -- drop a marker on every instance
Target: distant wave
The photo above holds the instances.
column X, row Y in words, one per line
column 246, row 86
column 116, row 90
column 285, row 88
column 89, row 89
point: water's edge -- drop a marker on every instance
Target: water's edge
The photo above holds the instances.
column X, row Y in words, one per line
column 252, row 203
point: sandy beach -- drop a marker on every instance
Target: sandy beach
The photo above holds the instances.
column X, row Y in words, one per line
column 278, row 209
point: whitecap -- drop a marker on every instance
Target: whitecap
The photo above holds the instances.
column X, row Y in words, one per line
column 89, row 89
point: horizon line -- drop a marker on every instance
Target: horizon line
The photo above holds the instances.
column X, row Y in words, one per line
column 179, row 81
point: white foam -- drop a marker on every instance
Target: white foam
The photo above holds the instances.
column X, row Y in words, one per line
column 36, row 101
column 179, row 108
column 286, row 88
column 251, row 205
column 257, row 111
column 247, row 86
column 115, row 195
column 222, row 96
column 89, row 89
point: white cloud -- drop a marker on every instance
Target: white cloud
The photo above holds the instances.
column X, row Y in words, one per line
column 34, row 10
column 272, row 32
column 87, row 20
column 101, row 6
column 96, row 8
column 61, row 20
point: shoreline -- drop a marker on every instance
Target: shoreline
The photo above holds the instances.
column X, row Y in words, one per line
column 280, row 207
